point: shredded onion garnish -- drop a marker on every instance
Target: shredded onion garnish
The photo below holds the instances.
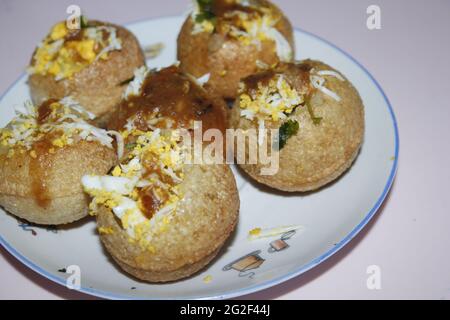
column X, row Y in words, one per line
column 203, row 79
column 119, row 141
column 134, row 87
column 318, row 82
column 330, row 73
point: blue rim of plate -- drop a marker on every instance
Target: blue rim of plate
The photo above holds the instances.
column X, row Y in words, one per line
column 269, row 283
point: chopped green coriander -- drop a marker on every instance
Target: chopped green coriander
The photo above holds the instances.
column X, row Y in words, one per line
column 84, row 22
column 206, row 11
column 287, row 130
column 130, row 146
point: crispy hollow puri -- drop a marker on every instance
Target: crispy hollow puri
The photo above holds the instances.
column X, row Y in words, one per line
column 204, row 220
column 98, row 86
column 204, row 53
column 47, row 190
column 317, row 154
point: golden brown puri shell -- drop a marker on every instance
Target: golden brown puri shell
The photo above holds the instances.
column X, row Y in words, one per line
column 97, row 87
column 204, row 220
column 317, row 154
column 47, row 190
column 204, row 53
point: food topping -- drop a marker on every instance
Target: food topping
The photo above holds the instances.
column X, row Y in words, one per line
column 135, row 84
column 287, row 130
column 143, row 191
column 203, row 79
column 38, row 132
column 65, row 52
column 318, row 81
column 251, row 22
column 159, row 98
column 268, row 96
column 105, row 230
column 258, row 233
column 154, row 50
column 55, row 124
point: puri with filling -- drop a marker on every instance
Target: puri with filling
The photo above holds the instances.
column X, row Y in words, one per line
column 318, row 116
column 44, row 153
column 91, row 63
column 161, row 216
column 230, row 39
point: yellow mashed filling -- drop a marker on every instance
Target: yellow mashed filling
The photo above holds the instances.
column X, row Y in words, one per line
column 253, row 27
column 273, row 101
column 62, row 57
column 64, row 123
column 249, row 24
column 149, row 175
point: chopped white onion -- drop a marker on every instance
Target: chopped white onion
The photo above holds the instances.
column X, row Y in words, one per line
column 203, row 79
column 74, row 105
column 273, row 232
column 119, row 141
column 330, row 73
column 134, row 87
column 119, row 185
column 284, row 50
column 318, row 83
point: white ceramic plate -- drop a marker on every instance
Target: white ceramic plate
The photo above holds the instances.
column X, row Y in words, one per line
column 331, row 217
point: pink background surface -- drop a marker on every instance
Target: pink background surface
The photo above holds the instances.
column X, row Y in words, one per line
column 410, row 57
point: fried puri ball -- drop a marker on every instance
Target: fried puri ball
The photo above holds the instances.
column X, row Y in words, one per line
column 231, row 39
column 161, row 217
column 92, row 64
column 202, row 221
column 319, row 116
column 44, row 152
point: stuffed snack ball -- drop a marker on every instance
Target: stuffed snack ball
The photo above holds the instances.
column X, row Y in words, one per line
column 44, row 153
column 92, row 64
column 230, row 39
column 320, row 118
column 161, row 218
